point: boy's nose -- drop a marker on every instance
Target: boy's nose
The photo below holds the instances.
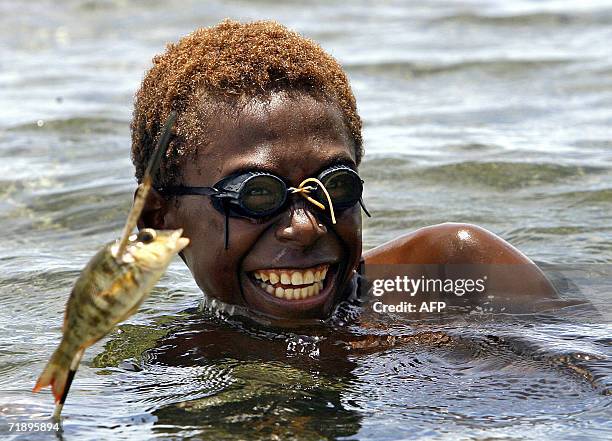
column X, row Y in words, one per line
column 301, row 229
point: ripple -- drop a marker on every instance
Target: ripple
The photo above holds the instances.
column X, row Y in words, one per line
column 500, row 66
column 503, row 175
column 539, row 19
column 586, row 197
column 80, row 125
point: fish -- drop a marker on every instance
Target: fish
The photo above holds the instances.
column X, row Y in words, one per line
column 113, row 285
column 106, row 293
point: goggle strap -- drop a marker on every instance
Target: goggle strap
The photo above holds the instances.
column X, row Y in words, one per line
column 364, row 207
column 226, row 209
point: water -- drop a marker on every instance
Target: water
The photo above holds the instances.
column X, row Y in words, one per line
column 491, row 112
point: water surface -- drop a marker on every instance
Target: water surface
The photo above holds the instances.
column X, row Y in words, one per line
column 491, row 112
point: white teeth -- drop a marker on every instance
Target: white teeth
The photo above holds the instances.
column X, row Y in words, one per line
column 292, row 293
column 280, row 292
column 308, row 277
column 303, row 293
column 313, row 278
column 296, row 278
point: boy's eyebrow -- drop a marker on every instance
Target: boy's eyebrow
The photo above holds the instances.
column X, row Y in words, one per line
column 337, row 159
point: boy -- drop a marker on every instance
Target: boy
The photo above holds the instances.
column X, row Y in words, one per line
column 261, row 112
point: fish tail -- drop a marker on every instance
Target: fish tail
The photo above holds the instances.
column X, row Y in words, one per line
column 56, row 372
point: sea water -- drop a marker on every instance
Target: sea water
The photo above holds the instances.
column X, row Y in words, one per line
column 491, row 112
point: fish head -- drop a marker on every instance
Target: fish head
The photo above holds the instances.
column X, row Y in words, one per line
column 155, row 248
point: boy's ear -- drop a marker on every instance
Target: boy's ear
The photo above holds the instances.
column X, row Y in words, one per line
column 155, row 211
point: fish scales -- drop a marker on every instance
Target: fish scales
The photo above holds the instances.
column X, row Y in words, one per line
column 107, row 292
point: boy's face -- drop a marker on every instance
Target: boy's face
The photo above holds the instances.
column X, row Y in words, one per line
column 293, row 137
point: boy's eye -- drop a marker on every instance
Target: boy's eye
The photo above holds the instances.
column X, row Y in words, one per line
column 262, row 194
column 258, row 192
column 340, row 185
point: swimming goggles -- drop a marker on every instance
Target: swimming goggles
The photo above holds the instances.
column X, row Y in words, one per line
column 257, row 194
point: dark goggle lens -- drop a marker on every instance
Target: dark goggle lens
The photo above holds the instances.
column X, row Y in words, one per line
column 262, row 194
column 344, row 187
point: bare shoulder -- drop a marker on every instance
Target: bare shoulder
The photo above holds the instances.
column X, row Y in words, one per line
column 449, row 242
column 462, row 246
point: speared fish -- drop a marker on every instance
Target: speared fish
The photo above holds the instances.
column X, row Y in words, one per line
column 113, row 285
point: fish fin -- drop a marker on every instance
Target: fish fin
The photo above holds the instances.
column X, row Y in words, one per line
column 55, row 374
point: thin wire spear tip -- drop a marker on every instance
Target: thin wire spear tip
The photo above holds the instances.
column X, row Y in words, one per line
column 145, row 187
column 74, row 365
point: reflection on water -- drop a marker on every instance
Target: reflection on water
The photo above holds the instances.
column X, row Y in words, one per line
column 198, row 375
column 489, row 112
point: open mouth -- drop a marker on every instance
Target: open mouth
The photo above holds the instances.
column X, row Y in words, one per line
column 294, row 283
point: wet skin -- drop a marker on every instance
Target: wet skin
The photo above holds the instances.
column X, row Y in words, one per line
column 295, row 137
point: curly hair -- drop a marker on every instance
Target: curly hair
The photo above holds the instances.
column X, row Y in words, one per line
column 229, row 61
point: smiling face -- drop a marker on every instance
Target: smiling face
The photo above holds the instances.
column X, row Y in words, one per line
column 294, row 264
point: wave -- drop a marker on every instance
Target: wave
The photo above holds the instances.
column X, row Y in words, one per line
column 80, row 125
column 421, row 69
column 493, row 174
column 539, row 19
